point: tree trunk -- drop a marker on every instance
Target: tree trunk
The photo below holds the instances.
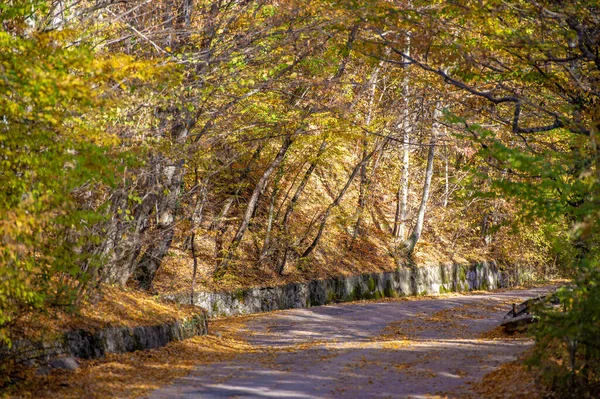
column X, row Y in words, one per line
column 364, row 181
column 166, row 213
column 267, row 243
column 416, row 233
column 217, row 224
column 152, row 258
column 195, row 269
column 338, row 199
column 123, row 237
column 402, row 193
column 446, row 177
column 221, row 269
column 198, row 212
column 185, row 17
column 282, row 258
column 362, row 197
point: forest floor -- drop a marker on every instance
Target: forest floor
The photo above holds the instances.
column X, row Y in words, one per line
column 372, row 254
column 446, row 346
column 389, row 349
column 109, row 307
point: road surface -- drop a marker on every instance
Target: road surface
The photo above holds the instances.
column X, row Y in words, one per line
column 418, row 348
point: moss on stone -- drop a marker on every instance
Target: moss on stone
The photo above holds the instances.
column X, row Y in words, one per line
column 371, row 284
column 484, row 285
column 445, row 277
column 330, row 296
column 389, row 291
column 462, row 273
column 357, row 293
column 239, row 295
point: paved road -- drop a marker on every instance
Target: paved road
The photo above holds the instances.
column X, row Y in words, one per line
column 387, row 349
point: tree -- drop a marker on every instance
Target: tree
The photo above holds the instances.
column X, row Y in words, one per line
column 530, row 71
column 414, row 236
column 57, row 160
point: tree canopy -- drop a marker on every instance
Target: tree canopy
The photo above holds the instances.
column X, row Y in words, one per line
column 259, row 139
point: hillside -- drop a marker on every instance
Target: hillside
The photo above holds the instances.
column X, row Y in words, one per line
column 193, row 145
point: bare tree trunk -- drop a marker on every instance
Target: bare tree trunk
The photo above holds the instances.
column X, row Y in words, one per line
column 195, row 270
column 364, row 181
column 282, row 259
column 220, row 227
column 446, row 178
column 185, row 18
column 123, row 238
column 338, row 199
column 252, row 205
column 416, row 233
column 197, row 214
column 217, row 224
column 267, row 243
column 402, row 194
column 362, row 197
column 196, row 220
column 485, row 229
column 166, row 212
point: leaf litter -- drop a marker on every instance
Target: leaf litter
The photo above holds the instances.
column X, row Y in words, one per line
column 135, row 374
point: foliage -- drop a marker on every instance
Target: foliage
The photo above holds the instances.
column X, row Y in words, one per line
column 536, row 63
column 568, row 349
column 56, row 165
column 111, row 163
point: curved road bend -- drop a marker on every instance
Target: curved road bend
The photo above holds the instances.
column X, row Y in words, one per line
column 386, row 349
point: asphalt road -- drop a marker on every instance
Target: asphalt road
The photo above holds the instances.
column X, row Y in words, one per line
column 423, row 348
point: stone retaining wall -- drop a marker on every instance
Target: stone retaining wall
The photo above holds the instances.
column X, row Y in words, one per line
column 91, row 345
column 402, row 282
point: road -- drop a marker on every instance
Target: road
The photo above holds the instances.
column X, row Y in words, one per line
column 416, row 348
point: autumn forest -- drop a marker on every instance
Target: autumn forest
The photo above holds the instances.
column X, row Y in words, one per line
column 181, row 146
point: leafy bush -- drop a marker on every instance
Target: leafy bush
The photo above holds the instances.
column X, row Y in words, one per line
column 568, row 342
column 56, row 163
